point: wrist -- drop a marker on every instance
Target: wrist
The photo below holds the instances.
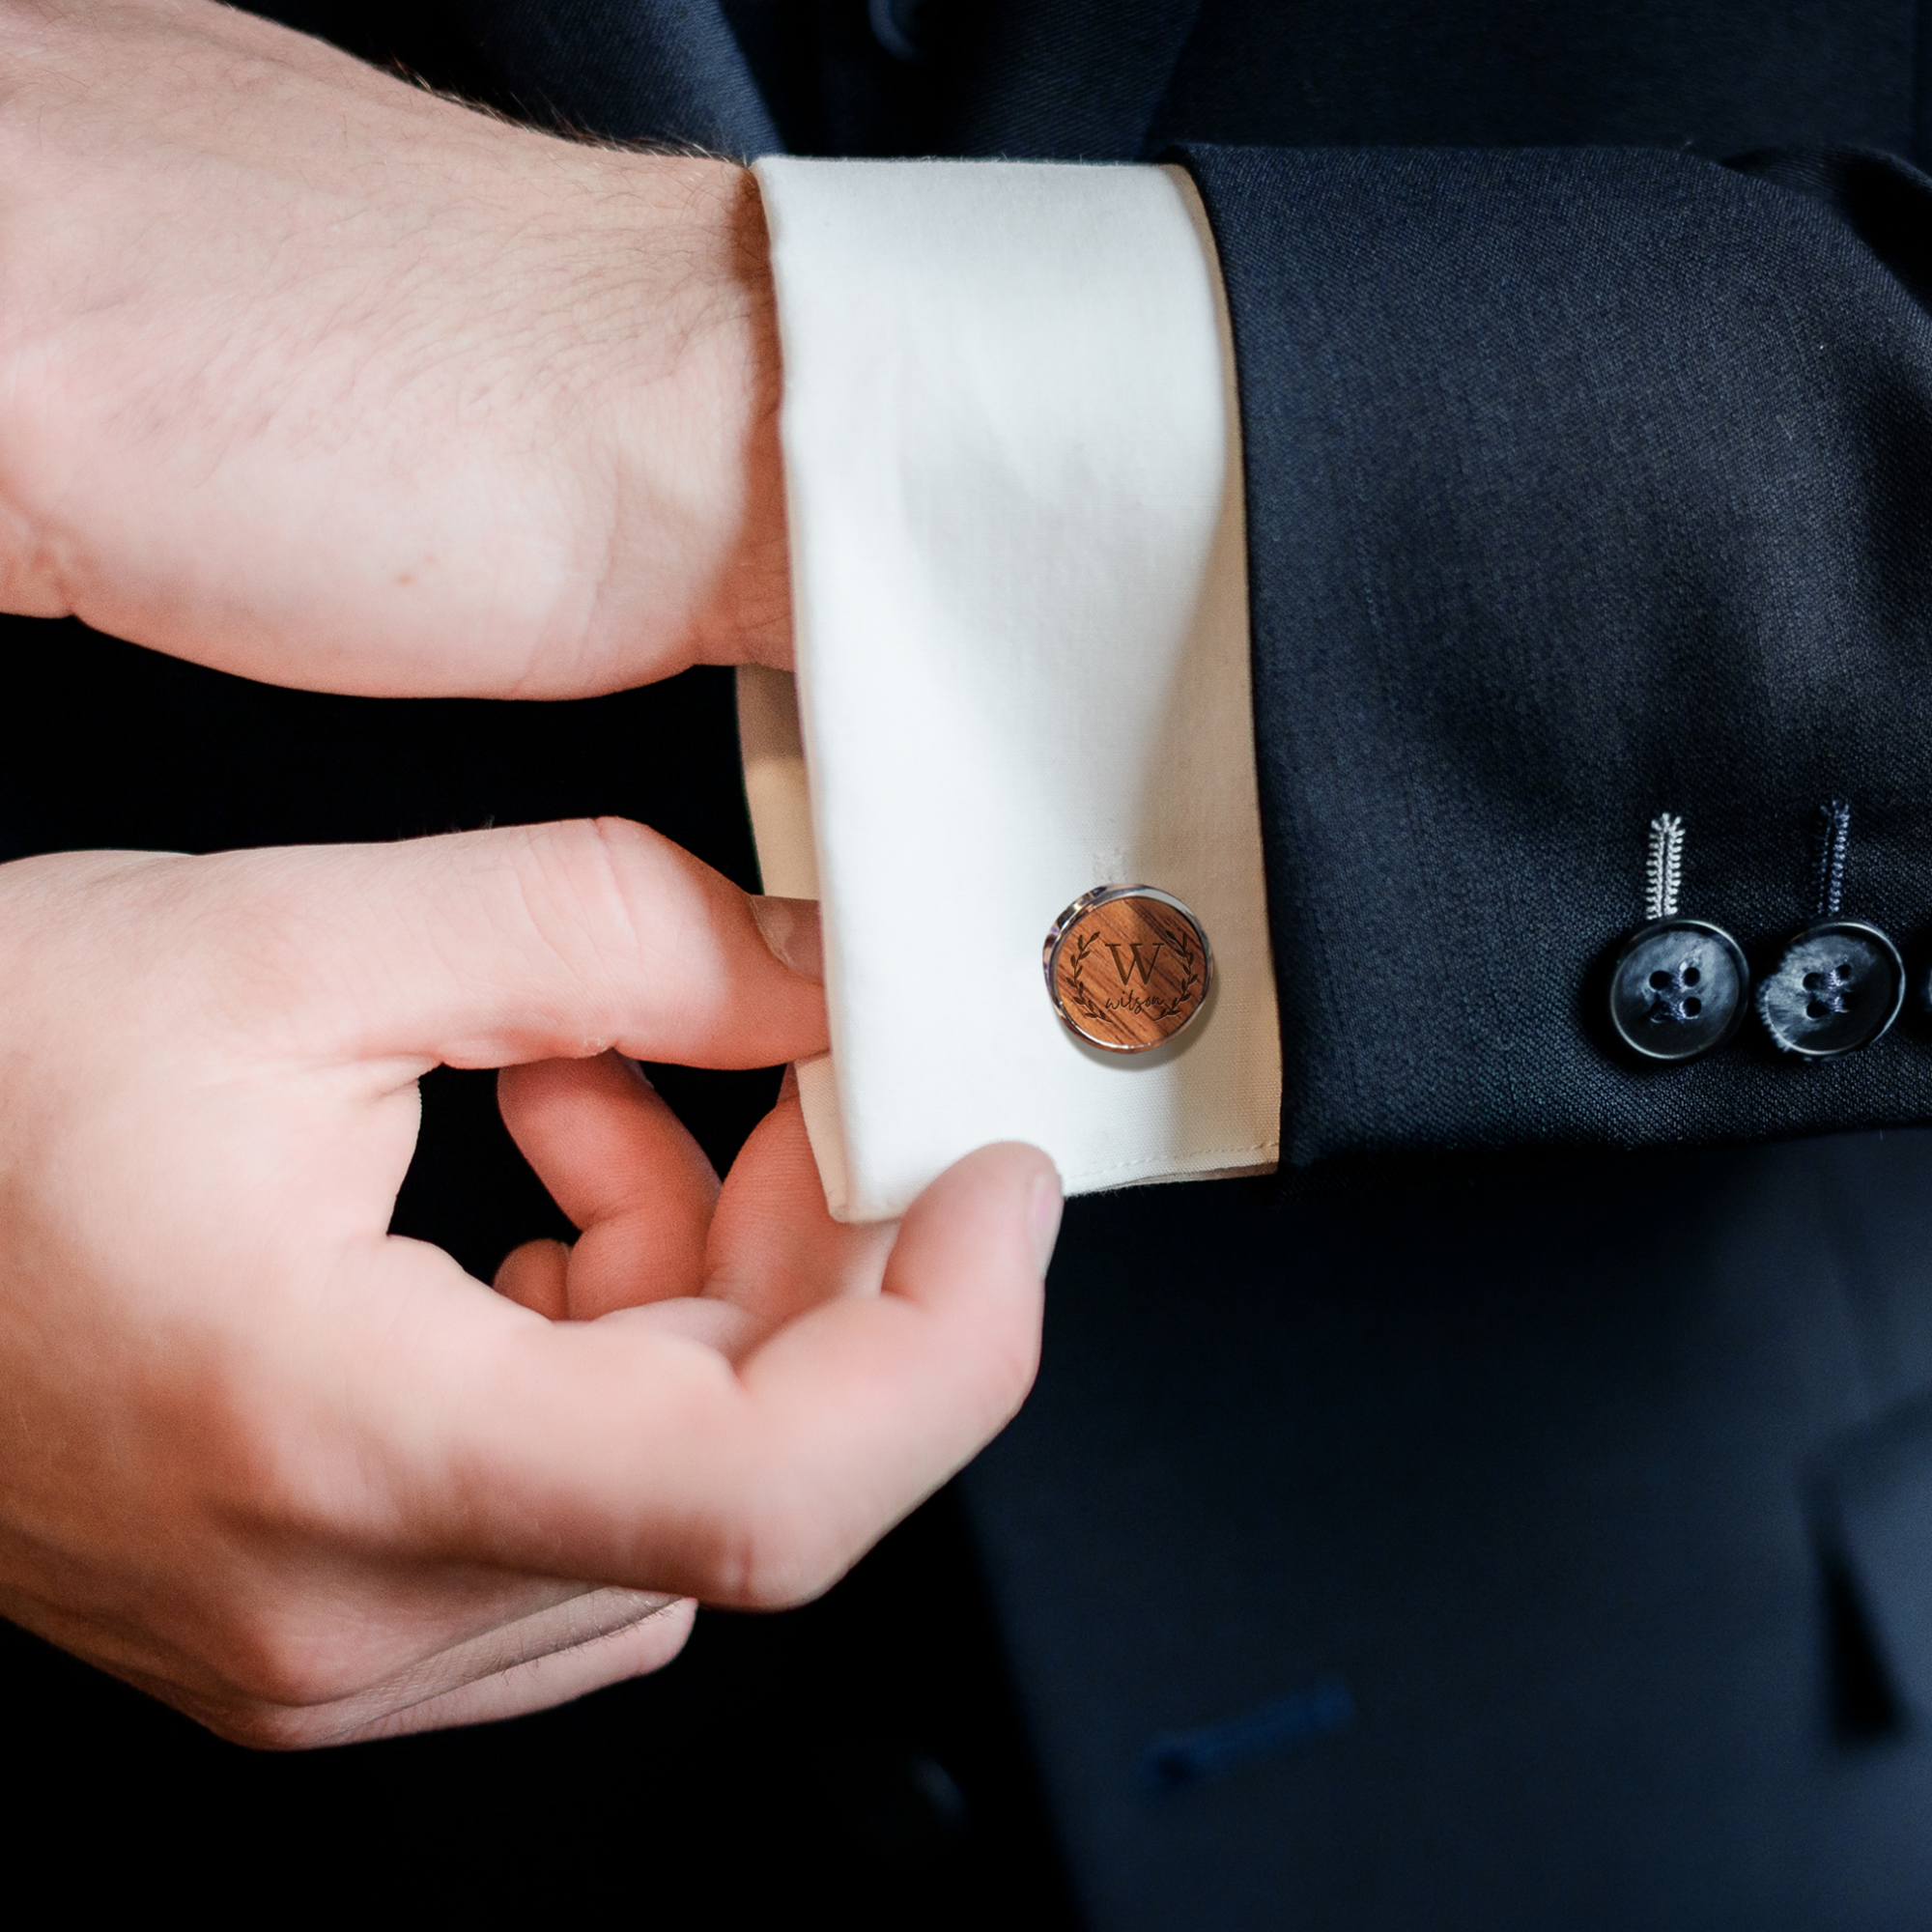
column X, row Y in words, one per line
column 689, row 412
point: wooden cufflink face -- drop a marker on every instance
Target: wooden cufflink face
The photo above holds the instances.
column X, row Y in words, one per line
column 1127, row 967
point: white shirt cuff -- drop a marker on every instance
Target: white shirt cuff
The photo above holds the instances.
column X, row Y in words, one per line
column 1013, row 481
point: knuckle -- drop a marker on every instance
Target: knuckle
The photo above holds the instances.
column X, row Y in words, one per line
column 780, row 1550
column 283, row 1636
column 572, row 881
column 1010, row 1369
column 270, row 1727
column 280, row 1676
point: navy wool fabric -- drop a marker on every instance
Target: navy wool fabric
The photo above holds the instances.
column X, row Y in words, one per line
column 1469, row 1531
column 1714, row 76
column 1582, row 485
column 1064, row 79
column 667, row 72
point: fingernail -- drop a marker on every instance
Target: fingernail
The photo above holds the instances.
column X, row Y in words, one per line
column 1043, row 1217
column 790, row 929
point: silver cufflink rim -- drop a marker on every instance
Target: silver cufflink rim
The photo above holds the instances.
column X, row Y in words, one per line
column 1088, row 901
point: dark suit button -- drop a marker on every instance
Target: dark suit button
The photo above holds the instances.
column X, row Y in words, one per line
column 1838, row 986
column 903, row 27
column 1678, row 989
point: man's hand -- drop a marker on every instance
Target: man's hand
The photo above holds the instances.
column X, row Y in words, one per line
column 308, row 1481
column 312, row 376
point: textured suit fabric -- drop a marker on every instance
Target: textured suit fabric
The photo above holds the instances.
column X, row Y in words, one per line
column 1583, row 484
column 1524, row 1459
column 1715, row 76
column 668, row 72
column 1017, row 93
column 1574, row 479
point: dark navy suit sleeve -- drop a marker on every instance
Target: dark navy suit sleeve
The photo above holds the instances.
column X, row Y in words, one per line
column 1583, row 485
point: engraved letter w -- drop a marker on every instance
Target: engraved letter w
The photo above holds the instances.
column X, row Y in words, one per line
column 1126, row 968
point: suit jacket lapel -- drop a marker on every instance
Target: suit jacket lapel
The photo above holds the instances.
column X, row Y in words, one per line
column 1080, row 80
column 627, row 71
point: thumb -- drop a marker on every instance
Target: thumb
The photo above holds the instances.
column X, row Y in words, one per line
column 490, row 949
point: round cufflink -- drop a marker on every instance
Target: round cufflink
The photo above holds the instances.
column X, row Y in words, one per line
column 1678, row 989
column 1838, row 986
column 1127, row 967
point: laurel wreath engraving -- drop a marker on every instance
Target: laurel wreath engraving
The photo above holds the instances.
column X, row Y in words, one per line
column 1173, row 1010
column 1078, row 995
column 1076, row 987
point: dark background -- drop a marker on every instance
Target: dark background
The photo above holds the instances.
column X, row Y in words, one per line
column 857, row 1762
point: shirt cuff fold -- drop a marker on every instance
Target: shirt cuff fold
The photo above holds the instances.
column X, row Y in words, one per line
column 1014, row 482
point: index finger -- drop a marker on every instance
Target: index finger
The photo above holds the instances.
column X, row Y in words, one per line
column 489, row 948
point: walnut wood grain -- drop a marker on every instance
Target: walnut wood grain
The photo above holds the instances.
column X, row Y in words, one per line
column 1129, row 973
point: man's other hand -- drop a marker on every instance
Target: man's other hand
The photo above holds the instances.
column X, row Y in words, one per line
column 313, row 376
column 307, row 1480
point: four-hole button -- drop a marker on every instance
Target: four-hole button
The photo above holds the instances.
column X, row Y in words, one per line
column 1838, row 987
column 1678, row 989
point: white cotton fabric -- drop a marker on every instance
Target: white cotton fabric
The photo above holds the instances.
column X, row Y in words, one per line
column 1014, row 482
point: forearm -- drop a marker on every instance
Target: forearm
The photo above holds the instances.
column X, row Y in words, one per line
column 316, row 377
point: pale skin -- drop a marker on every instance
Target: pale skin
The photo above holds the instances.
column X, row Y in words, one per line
column 315, row 377
column 310, row 376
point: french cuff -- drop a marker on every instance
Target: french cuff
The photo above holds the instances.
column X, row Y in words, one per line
column 1013, row 480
